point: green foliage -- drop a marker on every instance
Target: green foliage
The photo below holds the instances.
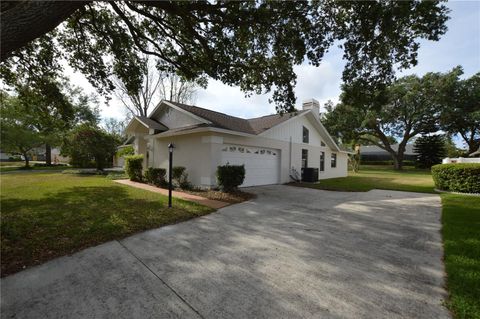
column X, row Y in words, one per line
column 452, row 150
column 236, row 42
column 133, row 167
column 430, row 150
column 156, row 176
column 180, row 177
column 177, row 172
column 410, row 106
column 462, row 116
column 124, row 151
column 17, row 133
column 229, row 177
column 461, row 177
column 87, row 145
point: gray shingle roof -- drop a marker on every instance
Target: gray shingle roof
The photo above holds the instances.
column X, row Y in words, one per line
column 151, row 123
column 250, row 126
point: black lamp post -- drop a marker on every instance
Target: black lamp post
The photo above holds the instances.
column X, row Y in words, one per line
column 170, row 161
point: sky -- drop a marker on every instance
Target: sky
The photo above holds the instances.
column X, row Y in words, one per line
column 459, row 46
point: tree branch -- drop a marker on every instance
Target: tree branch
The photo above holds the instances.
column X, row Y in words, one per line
column 28, row 20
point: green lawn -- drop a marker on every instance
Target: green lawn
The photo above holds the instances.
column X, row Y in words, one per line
column 21, row 168
column 380, row 177
column 46, row 215
column 461, row 241
column 461, row 228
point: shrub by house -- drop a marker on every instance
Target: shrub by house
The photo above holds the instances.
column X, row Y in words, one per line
column 229, row 177
column 133, row 167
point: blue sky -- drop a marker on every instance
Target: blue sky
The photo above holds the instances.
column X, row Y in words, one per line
column 459, row 46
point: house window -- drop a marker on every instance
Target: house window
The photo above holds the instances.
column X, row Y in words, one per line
column 322, row 161
column 334, row 160
column 304, row 158
column 305, row 135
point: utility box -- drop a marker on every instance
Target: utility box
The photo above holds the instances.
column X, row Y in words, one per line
column 310, row 174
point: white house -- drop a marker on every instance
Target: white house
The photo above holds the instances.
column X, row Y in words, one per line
column 269, row 146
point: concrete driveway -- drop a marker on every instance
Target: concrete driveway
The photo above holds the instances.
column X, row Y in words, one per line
column 290, row 253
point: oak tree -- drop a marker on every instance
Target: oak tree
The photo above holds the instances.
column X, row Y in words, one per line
column 250, row 44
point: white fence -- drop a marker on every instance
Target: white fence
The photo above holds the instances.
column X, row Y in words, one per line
column 461, row 160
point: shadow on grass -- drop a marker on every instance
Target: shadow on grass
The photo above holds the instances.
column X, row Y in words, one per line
column 35, row 230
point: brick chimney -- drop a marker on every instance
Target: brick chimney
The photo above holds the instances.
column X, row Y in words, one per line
column 312, row 104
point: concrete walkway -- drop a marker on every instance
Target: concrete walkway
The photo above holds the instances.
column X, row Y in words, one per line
column 193, row 198
column 289, row 253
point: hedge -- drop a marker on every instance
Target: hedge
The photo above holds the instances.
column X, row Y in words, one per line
column 133, row 167
column 156, row 176
column 230, row 176
column 460, row 177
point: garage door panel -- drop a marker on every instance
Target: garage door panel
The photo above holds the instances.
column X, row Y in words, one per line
column 262, row 165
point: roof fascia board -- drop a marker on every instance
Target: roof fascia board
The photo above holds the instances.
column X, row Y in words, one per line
column 199, row 130
column 325, row 132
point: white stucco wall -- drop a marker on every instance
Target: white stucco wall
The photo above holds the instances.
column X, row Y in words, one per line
column 191, row 151
column 200, row 153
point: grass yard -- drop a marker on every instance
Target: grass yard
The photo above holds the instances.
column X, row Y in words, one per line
column 380, row 177
column 46, row 215
column 461, row 228
column 461, row 241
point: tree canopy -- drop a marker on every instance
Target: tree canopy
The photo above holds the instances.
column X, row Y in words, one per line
column 413, row 105
column 463, row 113
column 17, row 133
column 250, row 44
column 89, row 146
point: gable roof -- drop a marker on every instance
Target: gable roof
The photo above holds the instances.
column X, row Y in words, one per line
column 148, row 123
column 251, row 126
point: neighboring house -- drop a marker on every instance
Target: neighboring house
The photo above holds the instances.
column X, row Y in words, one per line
column 472, row 158
column 374, row 153
column 5, row 157
column 268, row 146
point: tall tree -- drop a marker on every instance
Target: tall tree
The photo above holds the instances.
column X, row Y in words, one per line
column 53, row 109
column 250, row 44
column 430, row 150
column 17, row 134
column 412, row 107
column 156, row 85
column 462, row 116
column 88, row 144
column 115, row 127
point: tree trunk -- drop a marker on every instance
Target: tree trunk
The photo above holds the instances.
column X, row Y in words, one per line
column 27, row 163
column 48, row 154
column 398, row 161
column 24, row 21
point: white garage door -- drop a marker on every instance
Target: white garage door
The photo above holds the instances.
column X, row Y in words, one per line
column 262, row 165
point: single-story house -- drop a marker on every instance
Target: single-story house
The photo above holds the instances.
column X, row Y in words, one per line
column 271, row 147
column 375, row 153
